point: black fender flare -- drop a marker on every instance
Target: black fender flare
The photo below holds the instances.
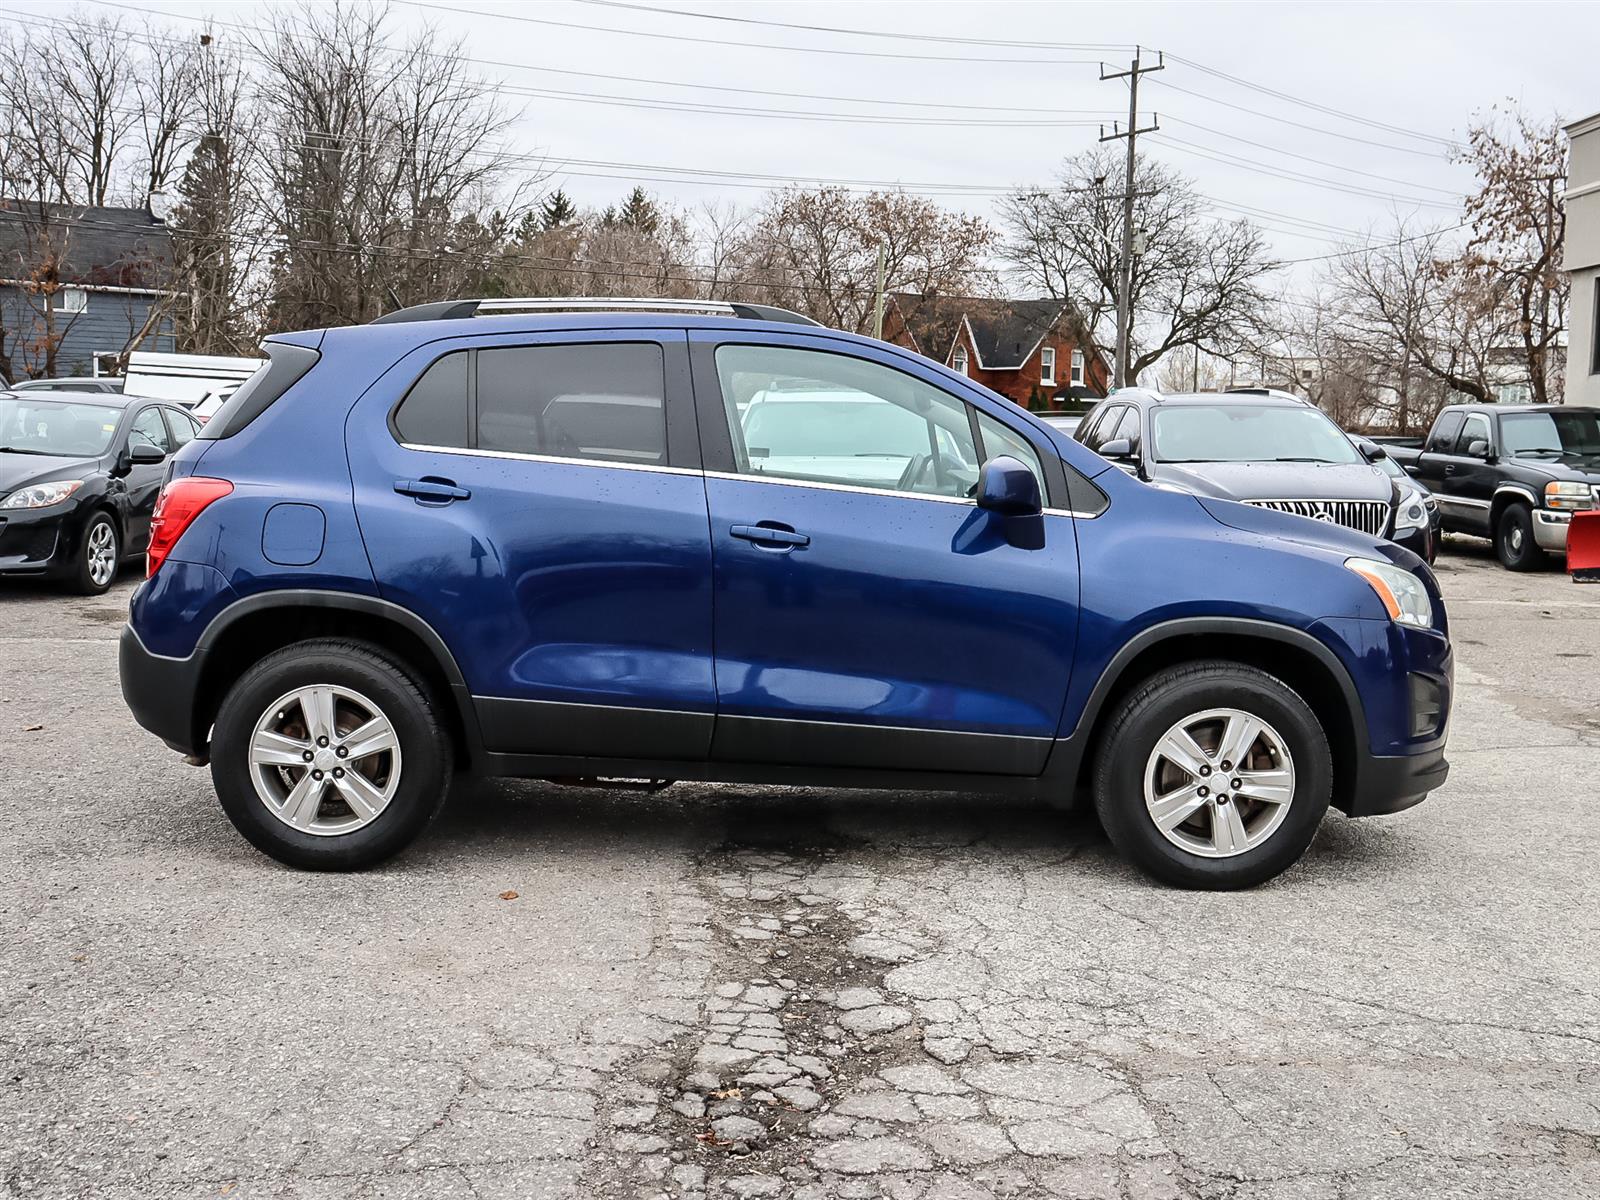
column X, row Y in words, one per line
column 355, row 602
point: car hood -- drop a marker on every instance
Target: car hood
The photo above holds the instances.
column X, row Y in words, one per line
column 20, row 470
column 1564, row 466
column 1277, row 481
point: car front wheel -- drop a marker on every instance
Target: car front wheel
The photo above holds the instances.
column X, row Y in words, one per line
column 1514, row 542
column 1213, row 775
column 99, row 556
column 326, row 755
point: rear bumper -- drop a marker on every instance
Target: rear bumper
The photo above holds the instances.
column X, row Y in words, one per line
column 1387, row 784
column 160, row 692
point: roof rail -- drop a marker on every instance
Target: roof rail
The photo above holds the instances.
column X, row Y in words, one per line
column 449, row 310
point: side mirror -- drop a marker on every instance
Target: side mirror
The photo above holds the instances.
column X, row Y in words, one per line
column 1008, row 488
column 146, row 454
column 1118, row 448
column 1374, row 453
column 1477, row 448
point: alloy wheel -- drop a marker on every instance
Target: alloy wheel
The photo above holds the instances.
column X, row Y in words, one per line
column 1219, row 782
column 101, row 550
column 325, row 760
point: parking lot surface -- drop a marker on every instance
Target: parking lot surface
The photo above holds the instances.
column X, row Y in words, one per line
column 754, row 992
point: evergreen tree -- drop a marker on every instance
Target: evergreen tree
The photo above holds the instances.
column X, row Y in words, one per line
column 557, row 210
column 640, row 213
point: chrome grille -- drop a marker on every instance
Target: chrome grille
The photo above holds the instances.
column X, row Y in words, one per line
column 1369, row 516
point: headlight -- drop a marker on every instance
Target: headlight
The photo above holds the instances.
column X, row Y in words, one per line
column 41, row 495
column 1412, row 512
column 1402, row 592
column 1570, row 495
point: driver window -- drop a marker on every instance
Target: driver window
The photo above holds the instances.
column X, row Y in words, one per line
column 828, row 418
column 150, row 428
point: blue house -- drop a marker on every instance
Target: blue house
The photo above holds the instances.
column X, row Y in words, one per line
column 79, row 285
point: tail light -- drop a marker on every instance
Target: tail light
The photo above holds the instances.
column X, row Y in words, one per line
column 180, row 502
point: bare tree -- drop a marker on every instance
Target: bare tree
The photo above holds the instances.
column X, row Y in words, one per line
column 1196, row 282
column 1518, row 219
column 380, row 166
column 1423, row 320
column 817, row 252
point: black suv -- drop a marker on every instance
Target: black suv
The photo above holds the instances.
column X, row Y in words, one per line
column 1267, row 449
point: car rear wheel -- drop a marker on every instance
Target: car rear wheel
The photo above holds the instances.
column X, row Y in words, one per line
column 1213, row 775
column 326, row 755
column 99, row 556
column 1514, row 542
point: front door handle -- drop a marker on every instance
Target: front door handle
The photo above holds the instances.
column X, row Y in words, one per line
column 770, row 537
column 431, row 490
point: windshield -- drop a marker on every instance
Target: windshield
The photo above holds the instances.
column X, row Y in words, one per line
column 37, row 425
column 1248, row 433
column 1535, row 433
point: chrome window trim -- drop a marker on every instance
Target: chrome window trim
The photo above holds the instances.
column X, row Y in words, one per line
column 612, row 464
column 517, row 456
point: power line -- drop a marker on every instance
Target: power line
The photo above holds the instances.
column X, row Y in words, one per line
column 892, row 34
column 1427, row 187
column 1356, row 118
column 1295, row 176
column 1268, row 116
column 679, row 37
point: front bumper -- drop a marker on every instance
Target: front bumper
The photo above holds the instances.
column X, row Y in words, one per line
column 1550, row 529
column 1390, row 784
column 161, row 692
column 35, row 542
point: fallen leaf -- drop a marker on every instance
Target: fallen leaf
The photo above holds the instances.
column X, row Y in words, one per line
column 32, row 728
column 728, row 1094
column 508, row 895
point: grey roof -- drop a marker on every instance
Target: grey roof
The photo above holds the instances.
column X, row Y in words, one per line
column 1005, row 332
column 107, row 247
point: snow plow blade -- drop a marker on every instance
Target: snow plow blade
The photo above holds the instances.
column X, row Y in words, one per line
column 1583, row 546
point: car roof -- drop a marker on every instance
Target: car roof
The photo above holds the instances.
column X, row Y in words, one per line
column 63, row 396
column 1199, row 399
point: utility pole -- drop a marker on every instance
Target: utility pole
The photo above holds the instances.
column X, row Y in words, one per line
column 877, row 308
column 1125, row 281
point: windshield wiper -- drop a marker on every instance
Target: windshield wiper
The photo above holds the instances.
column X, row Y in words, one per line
column 21, row 450
column 1315, row 460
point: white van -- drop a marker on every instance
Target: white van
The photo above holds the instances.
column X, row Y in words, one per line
column 186, row 379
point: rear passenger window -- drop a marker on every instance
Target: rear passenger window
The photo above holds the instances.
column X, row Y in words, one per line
column 601, row 401
column 434, row 412
column 1444, row 433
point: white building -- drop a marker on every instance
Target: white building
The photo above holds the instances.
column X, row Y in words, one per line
column 1582, row 261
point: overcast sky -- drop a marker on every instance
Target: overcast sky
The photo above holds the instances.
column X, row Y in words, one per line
column 1401, row 81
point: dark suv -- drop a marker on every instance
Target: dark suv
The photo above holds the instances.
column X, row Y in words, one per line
column 711, row 541
column 1260, row 447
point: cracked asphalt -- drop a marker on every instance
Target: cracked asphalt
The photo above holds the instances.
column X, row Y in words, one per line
column 727, row 991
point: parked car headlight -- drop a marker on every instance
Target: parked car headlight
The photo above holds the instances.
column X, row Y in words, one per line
column 1567, row 494
column 1412, row 512
column 1402, row 592
column 41, row 495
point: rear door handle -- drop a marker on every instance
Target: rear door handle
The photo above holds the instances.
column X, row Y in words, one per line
column 431, row 491
column 770, row 536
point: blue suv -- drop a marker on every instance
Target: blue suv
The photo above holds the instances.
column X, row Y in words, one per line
column 660, row 540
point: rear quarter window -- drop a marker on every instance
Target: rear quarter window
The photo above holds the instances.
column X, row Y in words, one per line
column 434, row 411
column 286, row 365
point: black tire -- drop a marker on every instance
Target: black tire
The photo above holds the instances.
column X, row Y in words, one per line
column 1514, row 543
column 425, row 748
column 1144, row 717
column 82, row 579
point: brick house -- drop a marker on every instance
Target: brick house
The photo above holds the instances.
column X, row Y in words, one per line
column 1037, row 353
